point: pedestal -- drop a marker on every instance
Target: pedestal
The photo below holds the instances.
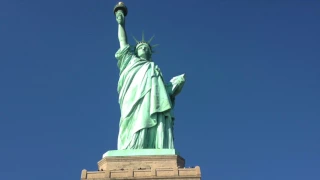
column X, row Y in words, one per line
column 169, row 167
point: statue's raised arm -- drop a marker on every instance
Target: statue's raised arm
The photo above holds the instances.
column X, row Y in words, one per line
column 120, row 11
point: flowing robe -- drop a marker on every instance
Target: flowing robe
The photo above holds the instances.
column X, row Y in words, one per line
column 146, row 108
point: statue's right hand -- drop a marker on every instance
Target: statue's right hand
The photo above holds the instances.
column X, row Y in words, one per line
column 120, row 17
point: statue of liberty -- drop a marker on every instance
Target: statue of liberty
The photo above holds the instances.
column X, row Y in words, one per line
column 146, row 101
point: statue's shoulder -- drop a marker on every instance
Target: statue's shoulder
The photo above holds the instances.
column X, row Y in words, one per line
column 123, row 52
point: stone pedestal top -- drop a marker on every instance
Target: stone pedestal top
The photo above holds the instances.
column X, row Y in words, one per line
column 140, row 162
column 141, row 152
column 169, row 167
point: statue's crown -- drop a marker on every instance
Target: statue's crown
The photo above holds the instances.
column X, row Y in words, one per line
column 143, row 42
column 138, row 43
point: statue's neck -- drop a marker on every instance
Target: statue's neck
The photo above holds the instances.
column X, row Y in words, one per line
column 142, row 58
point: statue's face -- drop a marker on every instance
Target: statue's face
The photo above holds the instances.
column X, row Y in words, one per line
column 143, row 51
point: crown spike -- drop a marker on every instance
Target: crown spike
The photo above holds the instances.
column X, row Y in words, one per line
column 151, row 39
column 155, row 45
column 135, row 39
column 142, row 36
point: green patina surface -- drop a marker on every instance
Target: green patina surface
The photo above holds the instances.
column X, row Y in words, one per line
column 146, row 100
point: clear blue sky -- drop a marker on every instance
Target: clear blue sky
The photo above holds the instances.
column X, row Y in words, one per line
column 250, row 108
